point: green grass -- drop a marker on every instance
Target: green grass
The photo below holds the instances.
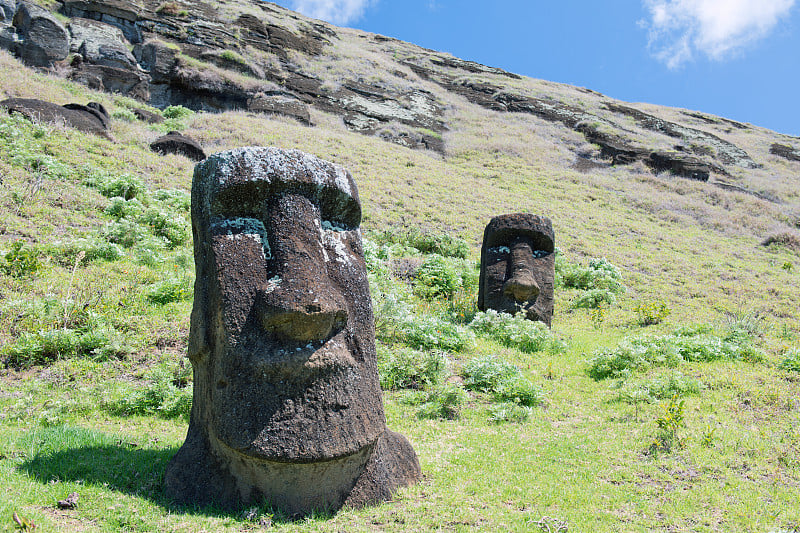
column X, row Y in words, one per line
column 104, row 222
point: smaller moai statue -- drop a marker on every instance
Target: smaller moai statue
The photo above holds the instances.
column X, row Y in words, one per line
column 518, row 266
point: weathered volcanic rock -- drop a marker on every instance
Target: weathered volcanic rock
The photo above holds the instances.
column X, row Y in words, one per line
column 518, row 266
column 280, row 105
column 148, row 116
column 90, row 118
column 101, row 44
column 175, row 142
column 287, row 408
column 679, row 164
column 726, row 151
column 130, row 82
column 44, row 39
column 785, row 151
column 123, row 14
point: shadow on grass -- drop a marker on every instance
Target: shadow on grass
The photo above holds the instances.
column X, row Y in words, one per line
column 78, row 455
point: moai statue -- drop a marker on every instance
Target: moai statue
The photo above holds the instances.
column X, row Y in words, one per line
column 518, row 266
column 287, row 406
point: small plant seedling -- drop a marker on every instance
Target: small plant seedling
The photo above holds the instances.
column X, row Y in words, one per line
column 669, row 425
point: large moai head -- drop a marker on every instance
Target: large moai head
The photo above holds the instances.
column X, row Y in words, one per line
column 518, row 266
column 287, row 404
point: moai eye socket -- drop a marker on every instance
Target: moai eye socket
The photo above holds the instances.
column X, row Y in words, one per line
column 242, row 227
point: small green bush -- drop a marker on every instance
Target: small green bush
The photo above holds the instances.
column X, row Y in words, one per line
column 125, row 186
column 599, row 274
column 486, row 373
column 594, row 299
column 791, row 361
column 405, row 368
column 515, row 331
column 233, row 57
column 20, row 261
column 652, row 390
column 651, row 312
column 172, row 290
column 172, row 228
column 669, row 424
column 509, row 412
column 436, row 278
column 118, row 207
column 494, row 375
column 431, row 332
column 47, row 346
column 443, row 401
column 174, row 198
column 177, row 111
column 124, row 114
column 125, row 232
column 686, row 344
column 427, row 243
column 93, row 249
column 519, row 390
column 160, row 396
column 632, row 355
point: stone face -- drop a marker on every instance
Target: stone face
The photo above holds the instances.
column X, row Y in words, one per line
column 175, row 142
column 90, row 118
column 44, row 39
column 518, row 266
column 287, row 406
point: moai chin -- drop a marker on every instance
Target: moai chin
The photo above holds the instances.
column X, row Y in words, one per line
column 287, row 407
column 518, row 266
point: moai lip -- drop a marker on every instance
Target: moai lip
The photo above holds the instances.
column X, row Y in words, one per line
column 287, row 405
column 518, row 266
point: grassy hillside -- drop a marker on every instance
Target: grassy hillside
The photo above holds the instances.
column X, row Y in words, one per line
column 608, row 424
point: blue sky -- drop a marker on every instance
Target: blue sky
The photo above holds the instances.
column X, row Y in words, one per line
column 739, row 59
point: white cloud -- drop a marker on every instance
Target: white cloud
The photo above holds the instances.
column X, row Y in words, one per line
column 334, row 11
column 716, row 28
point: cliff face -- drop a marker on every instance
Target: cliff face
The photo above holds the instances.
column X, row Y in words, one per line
column 256, row 56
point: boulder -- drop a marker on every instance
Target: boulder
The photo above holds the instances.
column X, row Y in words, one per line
column 678, row 164
column 148, row 116
column 7, row 10
column 287, row 406
column 175, row 142
column 518, row 266
column 129, row 82
column 158, row 59
column 44, row 39
column 101, row 44
column 90, row 118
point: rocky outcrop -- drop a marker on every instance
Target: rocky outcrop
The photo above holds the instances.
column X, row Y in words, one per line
column 214, row 57
column 90, row 118
column 728, row 153
column 785, row 151
column 280, row 104
column 175, row 142
column 42, row 39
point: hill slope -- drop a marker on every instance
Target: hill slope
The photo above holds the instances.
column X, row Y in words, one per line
column 103, row 321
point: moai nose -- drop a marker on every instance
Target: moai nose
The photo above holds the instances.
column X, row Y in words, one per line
column 521, row 284
column 300, row 303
